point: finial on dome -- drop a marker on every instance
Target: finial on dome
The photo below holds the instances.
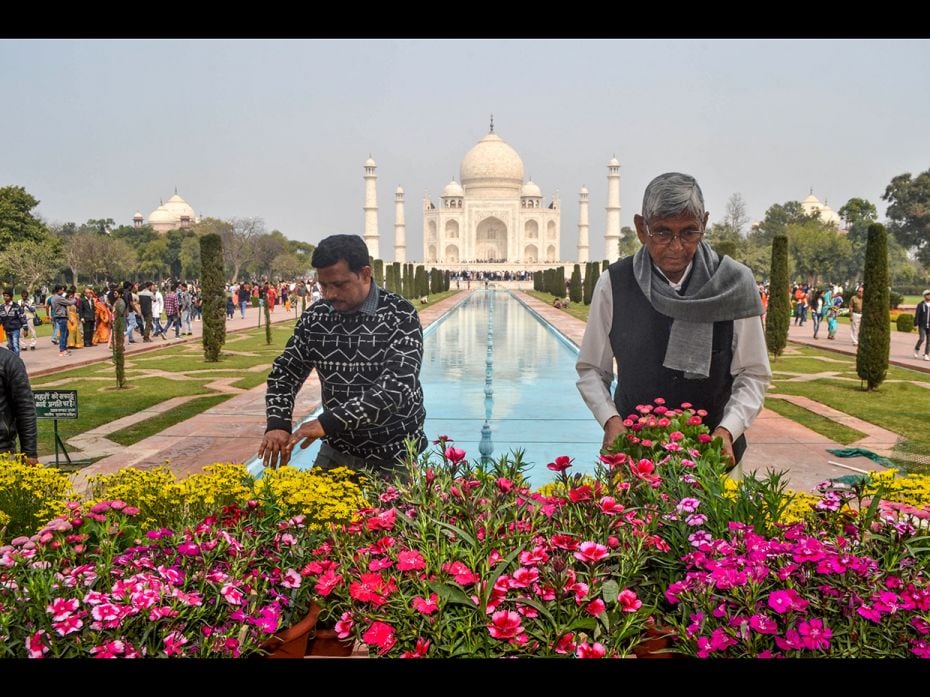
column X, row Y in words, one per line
column 492, row 123
column 175, row 190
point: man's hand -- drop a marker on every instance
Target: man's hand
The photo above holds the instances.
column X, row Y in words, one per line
column 727, row 438
column 309, row 432
column 274, row 450
column 613, row 427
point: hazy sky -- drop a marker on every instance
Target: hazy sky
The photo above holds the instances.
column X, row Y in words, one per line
column 280, row 129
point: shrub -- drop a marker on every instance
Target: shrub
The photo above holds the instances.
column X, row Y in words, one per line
column 777, row 317
column 905, row 323
column 30, row 496
column 875, row 333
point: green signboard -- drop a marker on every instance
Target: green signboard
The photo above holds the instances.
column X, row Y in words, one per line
column 56, row 404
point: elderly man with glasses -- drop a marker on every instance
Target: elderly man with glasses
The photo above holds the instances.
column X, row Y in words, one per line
column 682, row 322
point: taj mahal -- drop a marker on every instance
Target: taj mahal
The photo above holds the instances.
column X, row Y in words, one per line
column 492, row 216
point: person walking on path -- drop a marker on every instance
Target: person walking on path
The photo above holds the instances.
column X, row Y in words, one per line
column 922, row 320
column 87, row 313
column 855, row 316
column 13, row 318
column 59, row 306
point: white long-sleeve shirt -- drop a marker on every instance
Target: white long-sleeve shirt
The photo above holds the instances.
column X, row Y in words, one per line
column 750, row 365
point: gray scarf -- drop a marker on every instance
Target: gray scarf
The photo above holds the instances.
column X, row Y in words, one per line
column 720, row 289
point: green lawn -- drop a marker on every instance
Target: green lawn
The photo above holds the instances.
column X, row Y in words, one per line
column 576, row 310
column 815, row 422
column 157, row 424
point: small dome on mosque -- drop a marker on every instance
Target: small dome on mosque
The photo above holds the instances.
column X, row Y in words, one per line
column 399, row 190
column 531, row 189
column 369, row 162
column 614, row 162
column 161, row 215
column 453, row 188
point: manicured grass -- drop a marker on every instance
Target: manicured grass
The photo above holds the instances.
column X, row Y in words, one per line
column 250, row 380
column 815, row 422
column 99, row 402
column 576, row 310
column 156, row 424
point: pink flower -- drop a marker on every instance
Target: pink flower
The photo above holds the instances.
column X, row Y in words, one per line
column 461, row 573
column 426, row 606
column 566, row 542
column 61, row 608
column 814, row 634
column 344, row 625
column 455, row 455
column 505, row 624
column 783, row 601
column 419, row 651
column 107, row 614
column 687, row 505
column 327, row 582
column 538, row 555
column 188, row 549
column 763, row 624
column 269, row 619
column 524, row 577
column 609, row 506
column 562, row 463
column 676, row 436
column 613, row 460
column 291, row 579
column 231, row 594
column 381, row 635
column 628, row 601
column 869, row 613
column 580, row 493
column 158, row 613
column 379, row 563
column 410, row 560
column 921, row 649
column 173, row 644
column 67, row 625
column 565, row 644
column 644, row 469
column 35, row 646
column 704, row 438
column 595, row 607
column 586, row 650
column 382, row 521
column 371, row 588
column 592, row 552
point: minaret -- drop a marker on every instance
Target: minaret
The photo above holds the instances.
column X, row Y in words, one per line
column 400, row 229
column 583, row 226
column 612, row 233
column 371, row 209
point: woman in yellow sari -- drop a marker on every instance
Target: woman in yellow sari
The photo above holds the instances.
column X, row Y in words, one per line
column 75, row 335
column 104, row 321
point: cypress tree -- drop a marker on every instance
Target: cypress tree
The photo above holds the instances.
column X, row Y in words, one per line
column 574, row 293
column 591, row 273
column 214, row 296
column 874, row 331
column 421, row 284
column 119, row 355
column 267, row 311
column 560, row 282
column 378, row 270
column 778, row 314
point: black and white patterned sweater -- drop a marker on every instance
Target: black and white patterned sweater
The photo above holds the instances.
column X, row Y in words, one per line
column 369, row 368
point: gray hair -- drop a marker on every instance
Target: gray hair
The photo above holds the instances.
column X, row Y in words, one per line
column 672, row 194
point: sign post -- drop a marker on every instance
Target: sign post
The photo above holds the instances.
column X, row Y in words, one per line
column 57, row 404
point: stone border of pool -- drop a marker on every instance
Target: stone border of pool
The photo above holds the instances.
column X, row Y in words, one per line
column 228, row 432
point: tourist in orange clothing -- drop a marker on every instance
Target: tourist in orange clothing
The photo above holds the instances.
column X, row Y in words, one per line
column 104, row 321
column 271, row 294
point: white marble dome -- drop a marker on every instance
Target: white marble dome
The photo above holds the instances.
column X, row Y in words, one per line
column 531, row 189
column 160, row 216
column 491, row 162
column 179, row 208
column 453, row 188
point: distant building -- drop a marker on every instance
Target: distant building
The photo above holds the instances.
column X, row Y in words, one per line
column 173, row 214
column 812, row 205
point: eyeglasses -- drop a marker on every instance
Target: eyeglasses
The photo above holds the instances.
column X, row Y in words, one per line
column 665, row 237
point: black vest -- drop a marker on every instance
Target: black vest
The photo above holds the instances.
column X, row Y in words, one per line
column 639, row 338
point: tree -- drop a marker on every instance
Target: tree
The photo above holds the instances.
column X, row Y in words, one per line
column 377, row 269
column 153, row 262
column 236, row 235
column 574, row 291
column 858, row 214
column 591, row 274
column 736, row 219
column 17, row 222
column 119, row 355
column 119, row 261
column 265, row 248
column 28, row 263
column 84, row 253
column 875, row 331
column 288, row 266
column 629, row 242
column 189, row 258
column 778, row 315
column 909, row 212
column 102, row 226
column 777, row 218
column 213, row 289
column 819, row 251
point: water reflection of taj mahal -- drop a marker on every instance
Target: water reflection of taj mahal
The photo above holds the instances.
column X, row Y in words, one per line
column 491, row 216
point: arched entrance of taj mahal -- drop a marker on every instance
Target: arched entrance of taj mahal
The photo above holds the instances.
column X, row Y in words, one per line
column 491, row 240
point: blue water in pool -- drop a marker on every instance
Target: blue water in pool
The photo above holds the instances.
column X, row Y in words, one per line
column 535, row 404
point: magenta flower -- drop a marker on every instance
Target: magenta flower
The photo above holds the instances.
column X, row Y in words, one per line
column 591, row 552
column 921, row 648
column 231, row 594
column 268, row 619
column 696, row 519
column 595, row 607
column 381, row 635
column 454, row 455
column 814, row 635
column 61, row 608
column 565, row 644
column 419, row 651
column 410, row 560
column 763, row 624
column 562, row 463
column 504, row 485
column 609, row 506
column 869, row 613
column 699, row 538
column 524, row 577
column 344, row 625
column 628, row 601
column 379, row 563
column 461, row 573
column 687, row 505
column 328, row 582
column 188, row 549
column 566, row 542
column 67, row 625
column 614, row 460
column 586, row 650
column 783, row 601
column 426, row 606
column 538, row 555
column 505, row 624
column 173, row 644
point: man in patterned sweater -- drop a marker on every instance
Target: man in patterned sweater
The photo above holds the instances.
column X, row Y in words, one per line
column 367, row 346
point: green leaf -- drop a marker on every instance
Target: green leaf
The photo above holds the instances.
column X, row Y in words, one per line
column 611, row 591
column 464, row 536
column 451, row 594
